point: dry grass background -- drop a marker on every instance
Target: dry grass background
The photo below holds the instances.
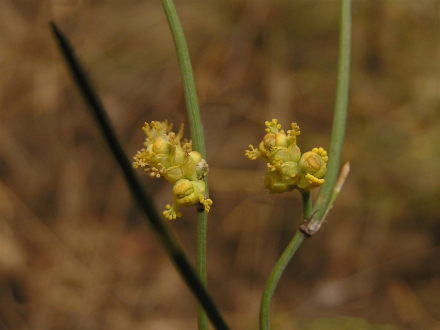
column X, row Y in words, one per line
column 74, row 250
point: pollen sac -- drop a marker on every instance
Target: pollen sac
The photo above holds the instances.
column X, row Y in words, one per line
column 287, row 169
column 165, row 155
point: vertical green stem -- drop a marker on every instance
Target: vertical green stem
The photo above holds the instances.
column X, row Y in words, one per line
column 197, row 136
column 340, row 114
column 189, row 86
column 315, row 216
column 307, row 203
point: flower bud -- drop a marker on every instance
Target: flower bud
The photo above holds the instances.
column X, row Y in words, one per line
column 156, row 159
column 177, row 156
column 281, row 176
column 281, row 140
column 173, row 174
column 161, row 147
column 289, row 173
column 187, row 192
column 195, row 156
column 312, row 163
column 269, row 141
column 275, row 184
column 189, row 168
column 294, row 153
column 277, row 152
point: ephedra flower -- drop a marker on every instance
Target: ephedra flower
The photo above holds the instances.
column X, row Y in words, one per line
column 287, row 168
column 164, row 154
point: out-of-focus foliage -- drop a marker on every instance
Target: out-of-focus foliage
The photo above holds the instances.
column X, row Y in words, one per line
column 74, row 251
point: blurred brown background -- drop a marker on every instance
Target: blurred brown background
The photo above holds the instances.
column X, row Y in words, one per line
column 75, row 252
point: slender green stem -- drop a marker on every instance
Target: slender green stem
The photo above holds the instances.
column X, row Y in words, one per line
column 339, row 122
column 340, row 113
column 274, row 277
column 327, row 193
column 307, row 203
column 139, row 194
column 278, row 270
column 197, row 136
column 189, row 86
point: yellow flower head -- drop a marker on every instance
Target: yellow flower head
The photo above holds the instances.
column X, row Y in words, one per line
column 164, row 154
column 287, row 169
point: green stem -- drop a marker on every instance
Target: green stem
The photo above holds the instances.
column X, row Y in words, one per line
column 340, row 113
column 339, row 122
column 139, row 194
column 278, row 270
column 274, row 277
column 197, row 136
column 189, row 86
column 315, row 216
column 307, row 203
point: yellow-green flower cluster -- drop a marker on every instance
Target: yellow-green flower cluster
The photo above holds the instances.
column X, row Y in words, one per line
column 164, row 154
column 287, row 168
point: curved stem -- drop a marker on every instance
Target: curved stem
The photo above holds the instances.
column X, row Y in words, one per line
column 275, row 277
column 197, row 136
column 278, row 270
